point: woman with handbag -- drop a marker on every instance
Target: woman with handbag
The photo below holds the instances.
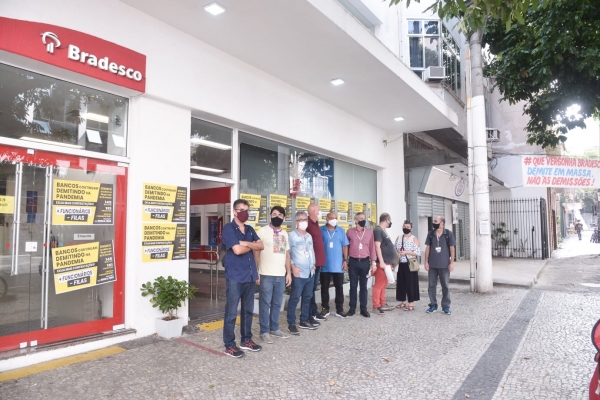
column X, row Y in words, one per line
column 408, row 249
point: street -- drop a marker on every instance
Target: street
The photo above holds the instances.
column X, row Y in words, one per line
column 515, row 343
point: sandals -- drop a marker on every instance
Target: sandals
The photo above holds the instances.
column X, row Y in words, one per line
column 402, row 305
column 409, row 308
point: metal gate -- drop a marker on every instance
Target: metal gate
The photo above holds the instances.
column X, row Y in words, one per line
column 519, row 228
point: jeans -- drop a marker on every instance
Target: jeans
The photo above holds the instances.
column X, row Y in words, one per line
column 357, row 271
column 444, row 275
column 338, row 282
column 301, row 288
column 235, row 292
column 312, row 311
column 379, row 287
column 269, row 303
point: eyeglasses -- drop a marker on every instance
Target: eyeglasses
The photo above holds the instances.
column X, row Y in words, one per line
column 300, row 220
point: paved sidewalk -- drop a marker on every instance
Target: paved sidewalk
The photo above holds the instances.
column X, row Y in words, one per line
column 401, row 355
column 506, row 271
column 571, row 246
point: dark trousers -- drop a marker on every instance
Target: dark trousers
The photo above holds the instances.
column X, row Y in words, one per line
column 235, row 292
column 407, row 284
column 313, row 303
column 338, row 282
column 358, row 271
column 444, row 275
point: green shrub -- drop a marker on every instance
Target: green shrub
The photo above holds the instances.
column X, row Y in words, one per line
column 168, row 294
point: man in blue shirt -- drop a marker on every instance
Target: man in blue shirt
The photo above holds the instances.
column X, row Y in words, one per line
column 336, row 262
column 241, row 277
column 303, row 268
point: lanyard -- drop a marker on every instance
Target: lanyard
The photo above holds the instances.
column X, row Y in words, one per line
column 330, row 235
column 360, row 238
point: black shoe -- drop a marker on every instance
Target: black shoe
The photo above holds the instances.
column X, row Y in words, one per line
column 325, row 312
column 251, row 346
column 351, row 313
column 378, row 311
column 306, row 325
column 365, row 313
column 234, row 352
column 313, row 321
column 293, row 329
column 320, row 317
column 341, row 314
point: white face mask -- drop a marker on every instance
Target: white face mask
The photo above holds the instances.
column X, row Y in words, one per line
column 332, row 222
column 302, row 225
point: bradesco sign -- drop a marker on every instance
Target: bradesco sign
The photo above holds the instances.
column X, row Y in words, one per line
column 74, row 51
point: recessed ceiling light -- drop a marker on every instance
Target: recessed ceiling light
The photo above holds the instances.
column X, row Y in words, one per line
column 209, row 143
column 398, row 119
column 208, row 169
column 214, row 8
column 337, row 81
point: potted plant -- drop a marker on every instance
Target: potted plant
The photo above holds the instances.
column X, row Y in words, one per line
column 168, row 294
column 504, row 242
column 497, row 235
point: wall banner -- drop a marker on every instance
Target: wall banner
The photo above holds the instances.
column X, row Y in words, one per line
column 164, row 242
column 7, row 204
column 343, row 211
column 542, row 171
column 83, row 265
column 258, row 208
column 302, row 203
column 164, row 203
column 82, row 203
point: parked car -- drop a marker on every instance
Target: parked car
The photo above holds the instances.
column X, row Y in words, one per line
column 595, row 382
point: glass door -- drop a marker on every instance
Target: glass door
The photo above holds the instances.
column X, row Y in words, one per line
column 62, row 253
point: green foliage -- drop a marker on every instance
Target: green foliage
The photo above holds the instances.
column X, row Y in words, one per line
column 168, row 294
column 551, row 62
column 473, row 13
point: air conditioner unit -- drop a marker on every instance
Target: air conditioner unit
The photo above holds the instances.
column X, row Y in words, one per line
column 493, row 134
column 434, row 74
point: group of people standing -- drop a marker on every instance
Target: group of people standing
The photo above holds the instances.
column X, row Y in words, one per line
column 312, row 254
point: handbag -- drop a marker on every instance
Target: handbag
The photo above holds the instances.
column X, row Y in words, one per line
column 413, row 263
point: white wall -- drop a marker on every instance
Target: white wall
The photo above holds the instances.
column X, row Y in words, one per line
column 152, row 161
column 391, row 184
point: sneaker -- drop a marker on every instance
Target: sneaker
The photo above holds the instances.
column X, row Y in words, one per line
column 320, row 317
column 351, row 313
column 432, row 309
column 378, row 311
column 387, row 307
column 365, row 313
column 265, row 337
column 325, row 312
column 306, row 325
column 251, row 346
column 279, row 334
column 341, row 314
column 447, row 311
column 313, row 322
column 293, row 329
column 234, row 352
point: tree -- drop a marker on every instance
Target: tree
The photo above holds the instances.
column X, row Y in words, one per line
column 551, row 62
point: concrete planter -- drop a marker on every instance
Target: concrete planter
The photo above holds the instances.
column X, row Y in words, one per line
column 169, row 329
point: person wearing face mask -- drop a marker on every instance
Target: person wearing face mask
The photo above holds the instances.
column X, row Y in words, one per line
column 336, row 256
column 362, row 258
column 407, row 287
column 315, row 231
column 386, row 255
column 275, row 274
column 241, row 278
column 439, row 262
column 303, row 268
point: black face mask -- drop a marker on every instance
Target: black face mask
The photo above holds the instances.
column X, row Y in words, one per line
column 406, row 231
column 436, row 226
column 362, row 223
column 276, row 221
column 390, row 224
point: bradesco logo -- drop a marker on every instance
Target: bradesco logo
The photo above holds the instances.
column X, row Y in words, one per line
column 76, row 54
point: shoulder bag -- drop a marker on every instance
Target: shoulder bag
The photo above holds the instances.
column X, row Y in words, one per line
column 413, row 263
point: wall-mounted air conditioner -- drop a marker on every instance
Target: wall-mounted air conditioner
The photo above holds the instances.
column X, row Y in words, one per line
column 493, row 134
column 434, row 74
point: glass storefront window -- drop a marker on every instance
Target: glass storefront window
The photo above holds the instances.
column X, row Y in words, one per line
column 35, row 107
column 210, row 149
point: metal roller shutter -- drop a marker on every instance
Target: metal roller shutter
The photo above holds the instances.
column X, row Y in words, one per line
column 424, row 205
column 438, row 207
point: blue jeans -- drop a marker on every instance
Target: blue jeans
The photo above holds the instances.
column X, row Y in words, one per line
column 312, row 311
column 269, row 304
column 358, row 271
column 301, row 288
column 444, row 276
column 235, row 292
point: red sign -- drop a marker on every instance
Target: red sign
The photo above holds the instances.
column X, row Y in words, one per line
column 75, row 51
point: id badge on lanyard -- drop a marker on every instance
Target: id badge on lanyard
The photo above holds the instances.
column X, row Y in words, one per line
column 331, row 245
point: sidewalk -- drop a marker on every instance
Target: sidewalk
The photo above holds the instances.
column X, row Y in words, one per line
column 506, row 271
column 571, row 246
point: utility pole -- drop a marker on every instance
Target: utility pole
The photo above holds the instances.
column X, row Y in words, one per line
column 478, row 174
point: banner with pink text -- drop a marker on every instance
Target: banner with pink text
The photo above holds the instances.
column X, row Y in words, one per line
column 560, row 172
